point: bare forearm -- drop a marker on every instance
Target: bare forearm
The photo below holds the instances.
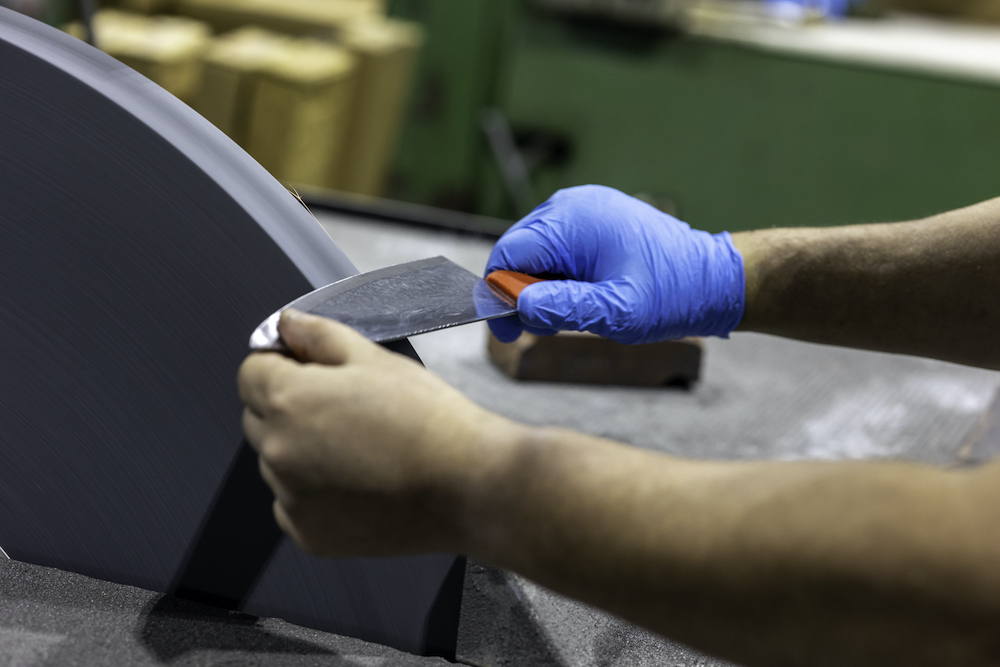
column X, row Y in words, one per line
column 765, row 563
column 926, row 287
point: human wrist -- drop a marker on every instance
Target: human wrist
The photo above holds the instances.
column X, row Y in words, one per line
column 728, row 288
column 483, row 482
column 748, row 244
column 771, row 260
column 493, row 505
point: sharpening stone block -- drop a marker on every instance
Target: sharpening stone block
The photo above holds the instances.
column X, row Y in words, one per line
column 572, row 356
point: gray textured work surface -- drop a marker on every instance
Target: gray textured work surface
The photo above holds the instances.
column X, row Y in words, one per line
column 760, row 397
column 51, row 617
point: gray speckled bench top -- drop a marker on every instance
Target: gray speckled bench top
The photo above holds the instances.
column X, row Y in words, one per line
column 51, row 617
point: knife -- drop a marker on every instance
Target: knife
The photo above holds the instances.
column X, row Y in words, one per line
column 405, row 300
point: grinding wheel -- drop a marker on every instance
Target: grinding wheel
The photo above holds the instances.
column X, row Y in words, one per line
column 139, row 247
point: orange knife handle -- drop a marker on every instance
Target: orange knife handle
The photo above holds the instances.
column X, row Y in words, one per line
column 508, row 284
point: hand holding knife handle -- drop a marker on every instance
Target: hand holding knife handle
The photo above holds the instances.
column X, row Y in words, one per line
column 508, row 284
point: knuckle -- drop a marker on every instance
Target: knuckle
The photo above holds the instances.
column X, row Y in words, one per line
column 244, row 367
column 278, row 457
column 282, row 400
column 243, row 377
column 248, row 419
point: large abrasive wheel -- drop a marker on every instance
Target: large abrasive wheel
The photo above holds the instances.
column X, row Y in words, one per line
column 139, row 247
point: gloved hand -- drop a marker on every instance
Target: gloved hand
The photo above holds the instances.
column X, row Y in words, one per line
column 636, row 275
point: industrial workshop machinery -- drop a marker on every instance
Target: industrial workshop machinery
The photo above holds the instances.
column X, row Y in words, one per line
column 139, row 247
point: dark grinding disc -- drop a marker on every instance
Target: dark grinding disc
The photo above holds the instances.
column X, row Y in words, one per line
column 139, row 247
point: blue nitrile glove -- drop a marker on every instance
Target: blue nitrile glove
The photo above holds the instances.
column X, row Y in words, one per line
column 637, row 275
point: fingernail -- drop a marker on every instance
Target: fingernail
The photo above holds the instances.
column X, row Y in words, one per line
column 293, row 314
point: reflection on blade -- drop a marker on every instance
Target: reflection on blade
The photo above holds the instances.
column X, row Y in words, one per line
column 396, row 302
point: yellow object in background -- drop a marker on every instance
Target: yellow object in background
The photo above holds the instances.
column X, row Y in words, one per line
column 145, row 6
column 166, row 49
column 299, row 110
column 386, row 51
column 230, row 69
column 298, row 17
column 323, row 112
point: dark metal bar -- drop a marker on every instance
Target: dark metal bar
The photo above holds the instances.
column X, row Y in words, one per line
column 388, row 210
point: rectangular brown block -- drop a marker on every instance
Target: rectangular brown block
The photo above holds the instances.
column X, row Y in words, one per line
column 571, row 356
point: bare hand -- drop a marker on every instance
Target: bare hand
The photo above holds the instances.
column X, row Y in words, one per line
column 366, row 452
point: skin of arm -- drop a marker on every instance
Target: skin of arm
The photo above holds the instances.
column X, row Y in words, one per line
column 764, row 563
column 926, row 287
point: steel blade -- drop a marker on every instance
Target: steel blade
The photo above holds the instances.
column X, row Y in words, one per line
column 396, row 302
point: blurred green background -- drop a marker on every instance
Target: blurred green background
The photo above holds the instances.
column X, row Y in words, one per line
column 729, row 136
column 725, row 136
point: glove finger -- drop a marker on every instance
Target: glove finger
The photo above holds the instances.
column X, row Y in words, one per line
column 529, row 251
column 508, row 329
column 539, row 332
column 571, row 305
column 505, row 329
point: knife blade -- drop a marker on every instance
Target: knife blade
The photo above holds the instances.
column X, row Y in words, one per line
column 404, row 300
